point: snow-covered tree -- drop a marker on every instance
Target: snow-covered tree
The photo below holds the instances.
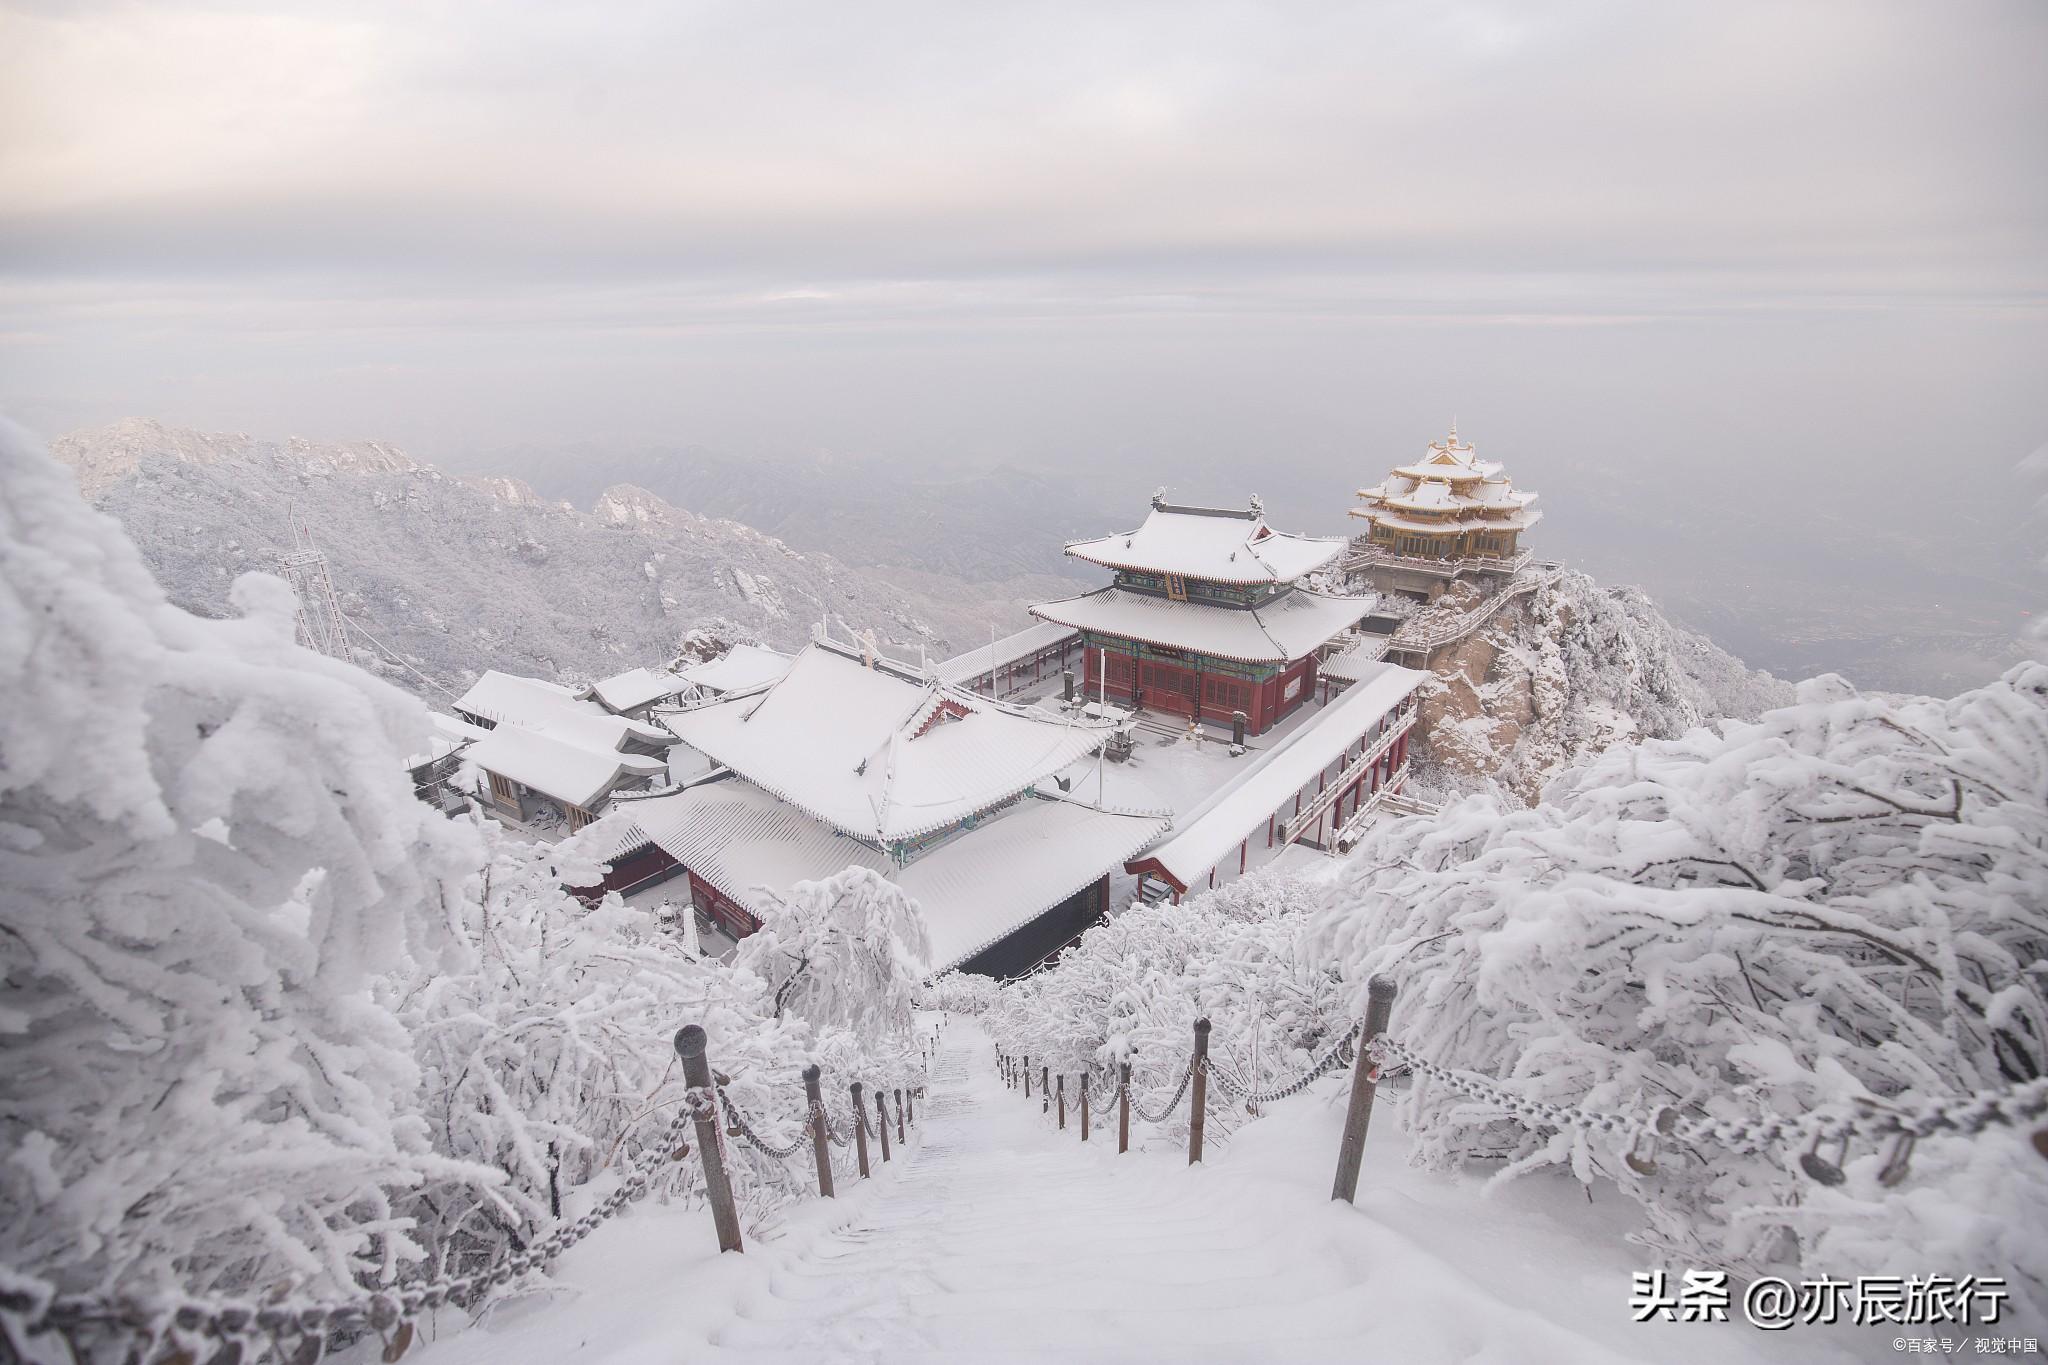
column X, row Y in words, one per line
column 1846, row 900
column 1133, row 987
column 848, row 952
column 208, row 853
column 548, row 1056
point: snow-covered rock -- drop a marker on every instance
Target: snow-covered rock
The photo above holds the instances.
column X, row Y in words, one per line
column 1562, row 674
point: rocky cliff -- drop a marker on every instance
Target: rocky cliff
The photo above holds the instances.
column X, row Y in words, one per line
column 1564, row 673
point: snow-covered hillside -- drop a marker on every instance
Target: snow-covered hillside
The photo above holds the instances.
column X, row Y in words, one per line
column 1564, row 673
column 458, row 574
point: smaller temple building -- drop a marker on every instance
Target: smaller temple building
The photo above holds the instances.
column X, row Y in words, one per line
column 1448, row 515
column 552, row 758
column 1207, row 616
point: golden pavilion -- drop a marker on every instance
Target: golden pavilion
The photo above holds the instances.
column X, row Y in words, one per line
column 1448, row 514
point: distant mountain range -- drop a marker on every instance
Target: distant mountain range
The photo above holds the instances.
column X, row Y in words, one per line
column 1798, row 570
column 449, row 575
column 983, row 526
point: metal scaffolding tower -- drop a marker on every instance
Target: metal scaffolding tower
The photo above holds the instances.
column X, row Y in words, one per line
column 321, row 625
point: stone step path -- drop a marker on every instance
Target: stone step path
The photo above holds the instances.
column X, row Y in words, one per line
column 1002, row 1240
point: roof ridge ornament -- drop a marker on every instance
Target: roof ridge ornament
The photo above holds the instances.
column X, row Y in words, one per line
column 1159, row 497
column 1258, row 504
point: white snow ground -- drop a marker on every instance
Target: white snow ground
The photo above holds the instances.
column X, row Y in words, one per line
column 994, row 1237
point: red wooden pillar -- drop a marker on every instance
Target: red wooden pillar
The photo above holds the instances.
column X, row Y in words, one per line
column 1269, row 827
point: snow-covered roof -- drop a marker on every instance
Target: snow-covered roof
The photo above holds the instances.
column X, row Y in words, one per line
column 739, row 669
column 1288, row 627
column 878, row 755
column 1449, row 478
column 636, row 687
column 450, row 733
column 1428, row 496
column 504, row 696
column 536, row 705
column 1206, row 834
column 976, row 662
column 1223, row 546
column 974, row 890
column 983, row 885
column 573, row 773
column 1357, row 662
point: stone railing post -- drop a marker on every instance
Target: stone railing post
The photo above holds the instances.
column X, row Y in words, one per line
column 860, row 1130
column 821, row 1146
column 690, row 1045
column 1379, row 1003
column 1198, row 1102
column 1123, row 1107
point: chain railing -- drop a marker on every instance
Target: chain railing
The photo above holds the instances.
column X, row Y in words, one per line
column 1171, row 1105
column 1318, row 1069
column 190, row 1328
column 1639, row 1132
column 300, row 1332
column 1864, row 1117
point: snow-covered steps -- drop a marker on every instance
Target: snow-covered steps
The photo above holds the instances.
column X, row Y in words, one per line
column 996, row 1237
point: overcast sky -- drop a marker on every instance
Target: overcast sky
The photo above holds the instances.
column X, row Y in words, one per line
column 1692, row 238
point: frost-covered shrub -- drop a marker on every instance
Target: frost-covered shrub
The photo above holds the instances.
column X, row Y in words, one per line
column 271, row 1026
column 960, row 992
column 552, row 1058
column 546, row 1057
column 849, row 952
column 208, row 853
column 1846, row 899
column 1134, row 986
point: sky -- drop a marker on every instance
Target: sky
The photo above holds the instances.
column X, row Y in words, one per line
column 1638, row 250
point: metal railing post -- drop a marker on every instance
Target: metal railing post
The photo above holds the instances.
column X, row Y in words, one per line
column 690, row 1046
column 1198, row 1103
column 1123, row 1107
column 860, row 1130
column 1379, row 1002
column 820, row 1142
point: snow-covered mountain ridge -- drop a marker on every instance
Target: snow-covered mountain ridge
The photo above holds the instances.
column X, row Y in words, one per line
column 456, row 574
